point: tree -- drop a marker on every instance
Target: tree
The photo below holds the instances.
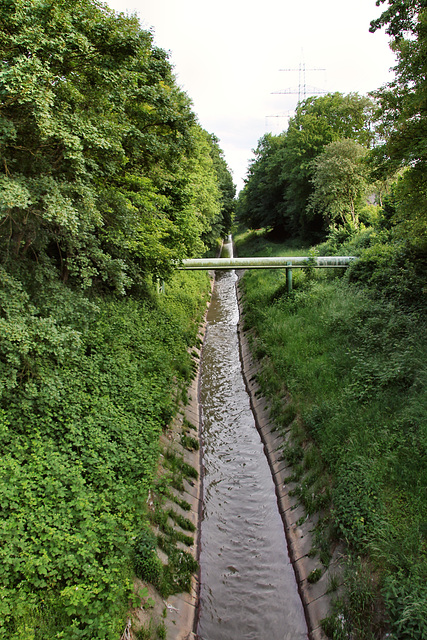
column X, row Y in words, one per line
column 225, row 183
column 318, row 122
column 260, row 203
column 63, row 123
column 339, row 180
column 204, row 198
column 402, row 114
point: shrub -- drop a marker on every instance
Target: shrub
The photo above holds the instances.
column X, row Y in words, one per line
column 355, row 500
column 396, row 269
column 146, row 561
column 178, row 572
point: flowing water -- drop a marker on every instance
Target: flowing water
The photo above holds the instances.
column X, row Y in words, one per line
column 248, row 589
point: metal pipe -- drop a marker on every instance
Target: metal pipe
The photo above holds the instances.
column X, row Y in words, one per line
column 266, row 263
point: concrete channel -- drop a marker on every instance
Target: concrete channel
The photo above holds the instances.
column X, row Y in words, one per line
column 253, row 584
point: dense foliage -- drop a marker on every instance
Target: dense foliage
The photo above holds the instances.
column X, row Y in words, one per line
column 104, row 171
column 351, row 352
column 339, row 180
column 284, row 190
column 402, row 116
column 86, row 389
column 106, row 179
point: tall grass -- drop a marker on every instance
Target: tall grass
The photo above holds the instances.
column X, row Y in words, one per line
column 355, row 366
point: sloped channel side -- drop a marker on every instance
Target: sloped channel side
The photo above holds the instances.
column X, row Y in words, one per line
column 178, row 613
column 316, row 599
column 182, row 608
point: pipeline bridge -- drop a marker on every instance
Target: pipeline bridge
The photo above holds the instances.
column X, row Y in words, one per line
column 288, row 263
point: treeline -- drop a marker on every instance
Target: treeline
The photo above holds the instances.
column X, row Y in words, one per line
column 106, row 180
column 347, row 162
column 289, row 185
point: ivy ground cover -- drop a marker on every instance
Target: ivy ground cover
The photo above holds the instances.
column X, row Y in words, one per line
column 87, row 385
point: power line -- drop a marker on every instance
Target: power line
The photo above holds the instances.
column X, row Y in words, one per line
column 280, row 116
column 302, row 90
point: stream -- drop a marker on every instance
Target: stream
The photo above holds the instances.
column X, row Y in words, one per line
column 248, row 589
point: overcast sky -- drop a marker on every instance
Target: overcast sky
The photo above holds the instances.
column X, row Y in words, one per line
column 228, row 55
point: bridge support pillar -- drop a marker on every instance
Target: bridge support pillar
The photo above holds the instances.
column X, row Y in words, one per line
column 160, row 285
column 289, row 278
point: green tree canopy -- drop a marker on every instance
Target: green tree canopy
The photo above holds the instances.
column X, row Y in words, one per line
column 402, row 114
column 318, row 122
column 279, row 184
column 94, row 138
column 226, row 186
column 339, row 180
column 260, row 203
column 106, row 179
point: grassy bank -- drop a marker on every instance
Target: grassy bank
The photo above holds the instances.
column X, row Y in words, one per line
column 87, row 384
column 345, row 370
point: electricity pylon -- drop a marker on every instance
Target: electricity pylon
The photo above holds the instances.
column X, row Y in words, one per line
column 301, row 91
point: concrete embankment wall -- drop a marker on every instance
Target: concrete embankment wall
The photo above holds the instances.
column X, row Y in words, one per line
column 182, row 609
